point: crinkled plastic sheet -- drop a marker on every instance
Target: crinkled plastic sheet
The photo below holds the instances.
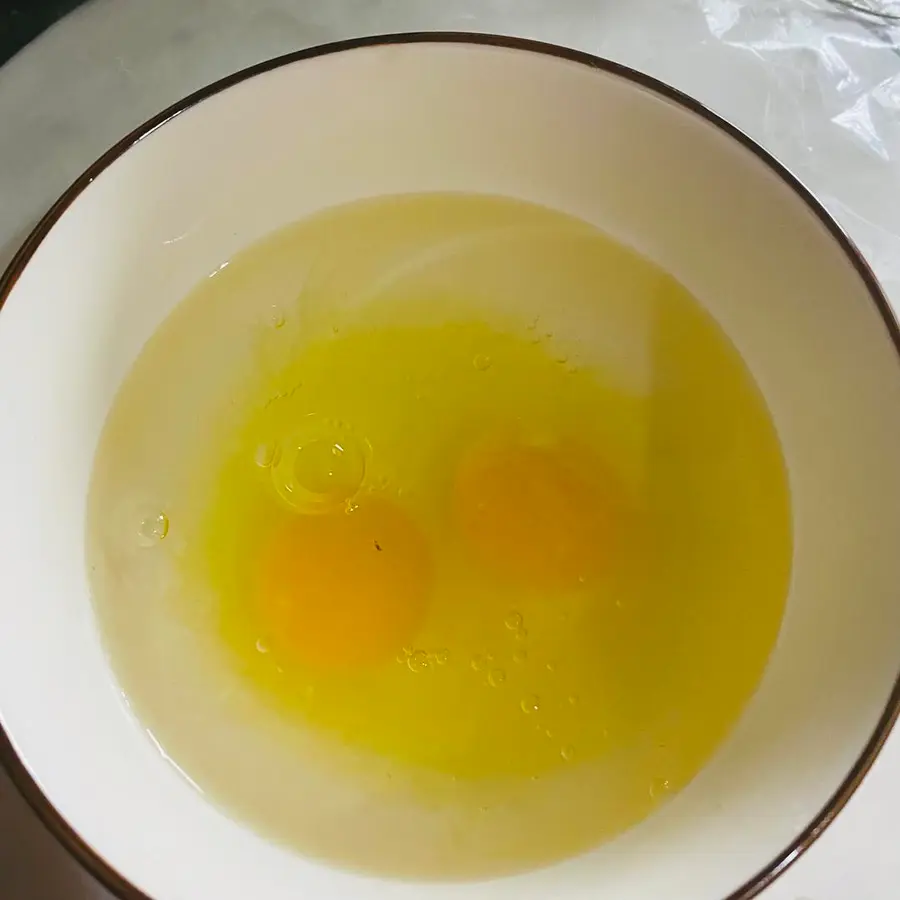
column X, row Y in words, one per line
column 831, row 105
column 817, row 82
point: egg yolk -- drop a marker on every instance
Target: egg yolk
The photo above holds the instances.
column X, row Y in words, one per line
column 347, row 588
column 527, row 514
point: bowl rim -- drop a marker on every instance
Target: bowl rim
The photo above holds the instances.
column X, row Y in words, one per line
column 28, row 787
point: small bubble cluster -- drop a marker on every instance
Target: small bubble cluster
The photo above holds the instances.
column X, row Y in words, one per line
column 418, row 660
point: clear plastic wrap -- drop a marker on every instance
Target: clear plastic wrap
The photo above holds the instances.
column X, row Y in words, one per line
column 815, row 81
column 831, row 106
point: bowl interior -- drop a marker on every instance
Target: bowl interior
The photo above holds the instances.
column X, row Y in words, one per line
column 479, row 117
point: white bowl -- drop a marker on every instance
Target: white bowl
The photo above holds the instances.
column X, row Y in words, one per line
column 267, row 146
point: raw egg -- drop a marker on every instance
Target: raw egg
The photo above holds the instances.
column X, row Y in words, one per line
column 345, row 588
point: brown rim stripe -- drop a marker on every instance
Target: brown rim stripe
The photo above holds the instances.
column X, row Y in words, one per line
column 27, row 786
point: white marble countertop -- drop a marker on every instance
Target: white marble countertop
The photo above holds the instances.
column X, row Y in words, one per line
column 819, row 87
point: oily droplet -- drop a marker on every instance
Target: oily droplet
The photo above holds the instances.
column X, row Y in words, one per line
column 404, row 655
column 418, row 661
column 531, row 704
column 153, row 529
column 478, row 662
column 441, row 657
column 496, row 677
column 567, row 753
column 482, row 362
column 276, row 317
column 521, row 634
column 520, row 657
column 513, row 621
column 262, row 646
column 573, row 699
column 551, row 666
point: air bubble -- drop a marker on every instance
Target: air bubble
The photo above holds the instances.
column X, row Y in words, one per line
column 521, row 634
column 266, row 455
column 276, row 317
column 482, row 362
column 551, row 666
column 261, row 646
column 321, row 466
column 496, row 677
column 659, row 787
column 153, row 529
column 418, row 661
column 520, row 657
column 441, row 657
column 531, row 704
column 513, row 621
column 478, row 662
column 573, row 699
column 567, row 753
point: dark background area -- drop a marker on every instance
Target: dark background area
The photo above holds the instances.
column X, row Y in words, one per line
column 23, row 20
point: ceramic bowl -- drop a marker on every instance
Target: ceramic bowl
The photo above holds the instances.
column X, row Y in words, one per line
column 272, row 144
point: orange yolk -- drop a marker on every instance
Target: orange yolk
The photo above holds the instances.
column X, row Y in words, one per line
column 529, row 516
column 344, row 589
